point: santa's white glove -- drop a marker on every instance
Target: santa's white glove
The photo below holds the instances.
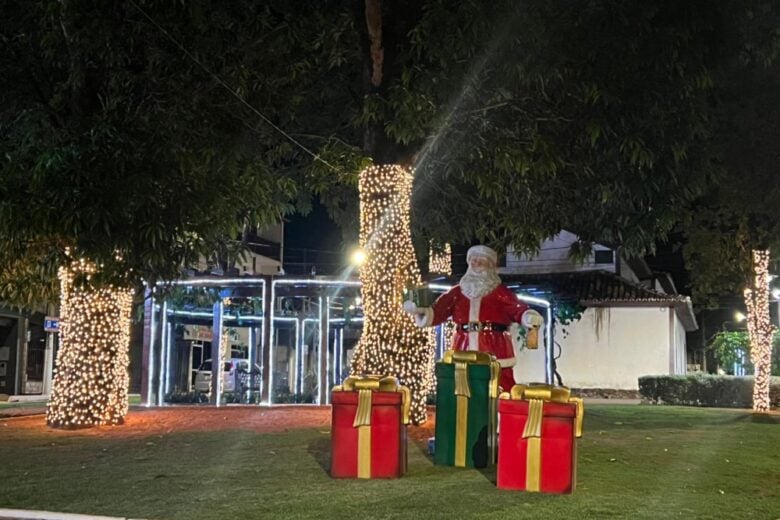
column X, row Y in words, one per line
column 531, row 318
column 410, row 307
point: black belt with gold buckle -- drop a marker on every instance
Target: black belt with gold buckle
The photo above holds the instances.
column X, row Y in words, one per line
column 479, row 326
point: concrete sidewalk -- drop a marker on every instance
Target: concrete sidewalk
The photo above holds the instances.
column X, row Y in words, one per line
column 23, row 514
column 8, row 411
column 601, row 400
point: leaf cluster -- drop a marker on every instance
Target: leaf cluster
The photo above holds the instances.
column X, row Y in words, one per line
column 737, row 213
column 532, row 117
column 120, row 142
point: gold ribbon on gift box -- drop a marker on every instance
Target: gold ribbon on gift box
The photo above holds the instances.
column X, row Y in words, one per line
column 537, row 394
column 462, row 360
column 365, row 386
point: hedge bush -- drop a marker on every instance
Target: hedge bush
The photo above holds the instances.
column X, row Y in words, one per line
column 704, row 390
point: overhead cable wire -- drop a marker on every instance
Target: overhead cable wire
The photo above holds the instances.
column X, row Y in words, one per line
column 230, row 89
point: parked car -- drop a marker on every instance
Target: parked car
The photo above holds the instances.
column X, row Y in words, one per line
column 234, row 374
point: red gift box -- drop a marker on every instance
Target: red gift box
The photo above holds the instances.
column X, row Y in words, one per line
column 368, row 429
column 537, row 451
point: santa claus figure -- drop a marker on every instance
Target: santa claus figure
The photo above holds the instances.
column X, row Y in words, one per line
column 482, row 309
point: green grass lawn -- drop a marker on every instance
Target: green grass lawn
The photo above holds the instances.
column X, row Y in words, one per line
column 634, row 462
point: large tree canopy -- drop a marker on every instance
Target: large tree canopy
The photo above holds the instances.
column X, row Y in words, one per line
column 119, row 146
column 524, row 118
column 733, row 232
column 585, row 116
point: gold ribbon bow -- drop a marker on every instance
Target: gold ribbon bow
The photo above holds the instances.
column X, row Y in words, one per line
column 366, row 386
column 537, row 394
column 462, row 360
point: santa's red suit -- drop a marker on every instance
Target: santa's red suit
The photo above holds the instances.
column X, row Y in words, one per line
column 482, row 324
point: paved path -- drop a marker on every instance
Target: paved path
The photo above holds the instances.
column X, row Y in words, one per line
column 23, row 514
column 600, row 400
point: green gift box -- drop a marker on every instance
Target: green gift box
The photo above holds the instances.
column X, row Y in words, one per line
column 466, row 409
column 421, row 296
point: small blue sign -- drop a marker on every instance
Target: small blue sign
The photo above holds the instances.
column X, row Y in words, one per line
column 51, row 324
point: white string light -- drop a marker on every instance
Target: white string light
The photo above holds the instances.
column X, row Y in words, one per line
column 390, row 343
column 91, row 378
column 440, row 262
column 760, row 329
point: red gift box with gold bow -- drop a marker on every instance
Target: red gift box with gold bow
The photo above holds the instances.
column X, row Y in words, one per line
column 368, row 428
column 538, row 426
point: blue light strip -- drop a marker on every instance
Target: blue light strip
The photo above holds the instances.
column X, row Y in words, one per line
column 271, row 342
column 203, row 314
column 297, row 347
column 194, row 282
column 251, row 339
column 150, row 361
column 216, row 364
column 304, row 281
column 548, row 344
column 323, row 349
column 336, row 359
column 341, row 355
column 327, row 351
column 163, row 335
column 263, row 346
column 168, row 343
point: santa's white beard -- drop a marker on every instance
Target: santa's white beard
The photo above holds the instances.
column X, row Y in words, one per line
column 477, row 285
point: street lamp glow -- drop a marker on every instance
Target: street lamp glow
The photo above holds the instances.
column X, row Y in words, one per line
column 739, row 316
column 358, row 257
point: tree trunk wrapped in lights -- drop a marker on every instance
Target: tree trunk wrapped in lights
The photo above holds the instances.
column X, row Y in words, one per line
column 760, row 329
column 440, row 262
column 390, row 344
column 91, row 378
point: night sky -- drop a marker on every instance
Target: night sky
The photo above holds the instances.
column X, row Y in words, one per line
column 313, row 240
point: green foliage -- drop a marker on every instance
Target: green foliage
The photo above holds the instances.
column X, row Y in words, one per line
column 541, row 129
column 731, row 347
column 738, row 212
column 115, row 144
column 185, row 297
column 568, row 312
column 704, row 390
column 593, row 117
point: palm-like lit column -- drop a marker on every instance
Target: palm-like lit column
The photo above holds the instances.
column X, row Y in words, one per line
column 91, row 375
column 390, row 344
column 760, row 329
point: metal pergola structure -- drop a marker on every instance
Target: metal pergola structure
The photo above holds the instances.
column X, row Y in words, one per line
column 295, row 330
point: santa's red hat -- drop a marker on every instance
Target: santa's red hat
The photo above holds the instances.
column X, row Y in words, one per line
column 483, row 251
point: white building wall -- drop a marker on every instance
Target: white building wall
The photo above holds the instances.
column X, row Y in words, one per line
column 553, row 257
column 610, row 347
column 250, row 263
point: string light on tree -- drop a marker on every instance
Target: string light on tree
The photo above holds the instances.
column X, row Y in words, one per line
column 390, row 344
column 760, row 330
column 440, row 262
column 91, row 376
